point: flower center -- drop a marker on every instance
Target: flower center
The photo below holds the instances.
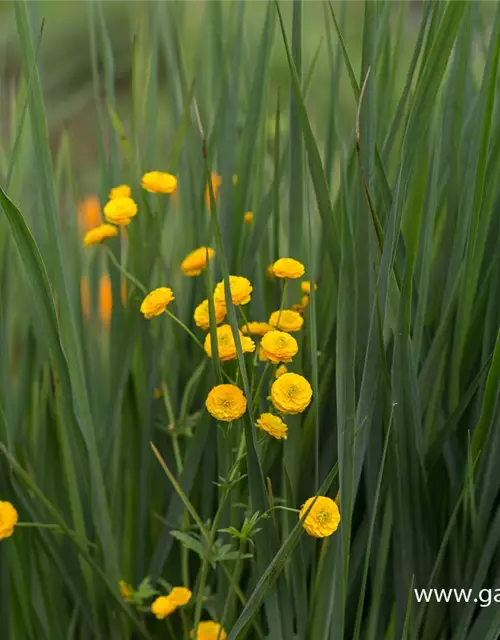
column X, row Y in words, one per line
column 226, row 403
column 324, row 517
column 292, row 390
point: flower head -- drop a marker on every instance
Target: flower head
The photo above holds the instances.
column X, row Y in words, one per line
column 256, row 328
column 305, row 287
column 89, row 213
column 279, row 346
column 180, row 596
column 159, row 182
column 248, row 217
column 162, row 607
column 274, row 425
column 288, row 268
column 209, row 630
column 301, row 306
column 286, row 320
column 155, row 303
column 120, row 211
column 216, row 183
column 202, row 317
column 105, row 299
column 226, row 402
column 194, row 263
column 280, row 371
column 122, row 191
column 323, row 518
column 226, row 344
column 241, row 289
column 291, row 393
column 100, row 233
column 126, row 590
column 8, row 519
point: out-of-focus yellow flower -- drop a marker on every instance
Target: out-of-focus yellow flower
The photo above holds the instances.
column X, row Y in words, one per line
column 279, row 346
column 274, row 425
column 216, row 183
column 305, row 286
column 301, row 306
column 159, row 182
column 241, row 290
column 120, row 211
column 227, row 345
column 270, row 272
column 8, row 519
column 209, row 630
column 85, row 296
column 248, row 217
column 105, row 299
column 158, row 393
column 155, row 303
column 226, row 402
column 194, row 263
column 202, row 317
column 323, row 519
column 286, row 320
column 89, row 213
column 280, row 371
column 235, row 179
column 126, row 590
column 180, row 596
column 163, row 607
column 122, row 191
column 100, row 233
column 256, row 328
column 291, row 393
column 288, row 268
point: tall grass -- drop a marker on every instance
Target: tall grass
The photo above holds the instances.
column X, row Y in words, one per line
column 107, row 451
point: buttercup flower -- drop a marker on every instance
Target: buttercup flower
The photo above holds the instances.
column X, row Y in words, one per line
column 248, row 217
column 122, row 191
column 159, row 182
column 216, row 183
column 209, row 630
column 155, row 303
column 8, row 519
column 89, row 213
column 305, row 286
column 289, row 320
column 226, row 402
column 202, row 317
column 274, row 425
column 262, row 355
column 256, row 328
column 301, row 306
column 241, row 289
column 280, row 371
column 120, row 211
column 291, row 393
column 126, row 590
column 194, row 263
column 227, row 345
column 105, row 299
column 288, row 268
column 100, row 233
column 163, row 607
column 323, row 519
column 180, row 596
column 279, row 346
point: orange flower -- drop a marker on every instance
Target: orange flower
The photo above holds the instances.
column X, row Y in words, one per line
column 216, row 183
column 105, row 300
column 89, row 213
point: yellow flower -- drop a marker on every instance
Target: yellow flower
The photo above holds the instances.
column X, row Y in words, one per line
column 180, row 596
column 98, row 234
column 288, row 268
column 305, row 286
column 202, row 317
column 227, row 345
column 289, row 320
column 256, row 328
column 291, row 393
column 105, row 299
column 159, row 182
column 158, row 393
column 216, row 183
column 302, row 305
column 155, row 303
column 248, row 217
column 270, row 272
column 323, row 519
column 209, row 630
column 226, row 402
column 280, row 371
column 126, row 590
column 241, row 289
column 235, row 179
column 85, row 296
column 194, row 263
column 279, row 346
column 274, row 425
column 122, row 191
column 120, row 211
column 262, row 355
column 89, row 213
column 8, row 519
column 163, row 607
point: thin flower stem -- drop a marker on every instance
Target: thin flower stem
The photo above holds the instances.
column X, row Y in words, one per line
column 188, row 331
column 283, row 297
column 170, row 629
column 127, row 275
column 229, row 603
column 259, row 386
column 243, row 315
column 39, row 525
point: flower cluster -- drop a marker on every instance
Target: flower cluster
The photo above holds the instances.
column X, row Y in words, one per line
column 163, row 606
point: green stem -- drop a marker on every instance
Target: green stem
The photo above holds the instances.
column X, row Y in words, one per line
column 283, row 297
column 229, row 602
column 259, row 386
column 39, row 525
column 122, row 270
